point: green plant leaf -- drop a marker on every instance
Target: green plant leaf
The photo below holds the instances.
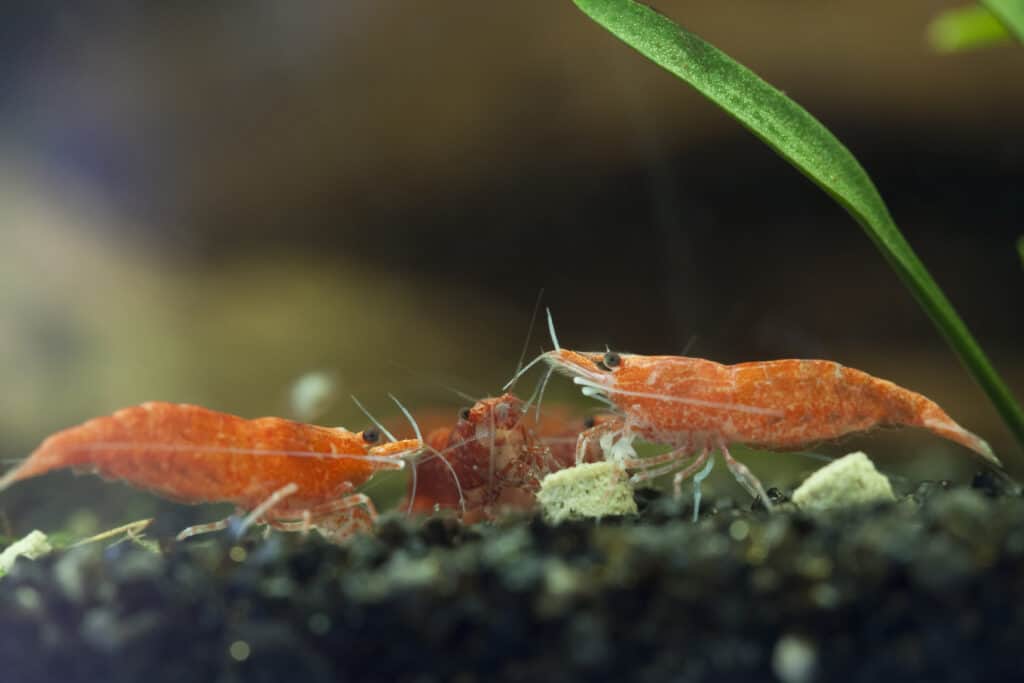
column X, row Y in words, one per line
column 803, row 141
column 1010, row 13
column 966, row 28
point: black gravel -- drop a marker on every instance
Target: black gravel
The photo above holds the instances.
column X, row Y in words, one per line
column 927, row 589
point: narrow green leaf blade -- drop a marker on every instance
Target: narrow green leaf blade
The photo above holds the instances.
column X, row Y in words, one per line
column 803, row 141
column 1011, row 13
column 966, row 28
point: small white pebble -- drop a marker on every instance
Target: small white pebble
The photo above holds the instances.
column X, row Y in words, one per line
column 825, row 595
column 739, row 530
column 794, row 659
column 27, row 598
column 239, row 650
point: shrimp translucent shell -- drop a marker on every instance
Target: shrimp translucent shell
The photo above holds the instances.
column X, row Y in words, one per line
column 291, row 472
column 692, row 403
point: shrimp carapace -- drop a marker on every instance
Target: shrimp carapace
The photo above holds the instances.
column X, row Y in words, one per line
column 191, row 454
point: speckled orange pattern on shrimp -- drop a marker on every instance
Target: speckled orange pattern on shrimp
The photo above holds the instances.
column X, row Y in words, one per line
column 773, row 404
column 697, row 406
column 194, row 455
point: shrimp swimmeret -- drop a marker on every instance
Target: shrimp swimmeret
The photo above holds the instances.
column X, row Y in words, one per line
column 288, row 475
column 697, row 406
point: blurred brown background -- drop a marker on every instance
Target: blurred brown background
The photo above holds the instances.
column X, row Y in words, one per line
column 202, row 202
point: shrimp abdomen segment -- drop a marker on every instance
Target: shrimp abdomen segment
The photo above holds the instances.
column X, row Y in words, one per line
column 191, row 454
column 821, row 400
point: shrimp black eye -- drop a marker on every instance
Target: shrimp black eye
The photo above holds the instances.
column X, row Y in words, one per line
column 611, row 360
column 371, row 435
column 464, row 414
column 589, row 421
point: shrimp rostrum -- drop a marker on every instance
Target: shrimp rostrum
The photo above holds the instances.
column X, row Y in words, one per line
column 698, row 406
column 288, row 475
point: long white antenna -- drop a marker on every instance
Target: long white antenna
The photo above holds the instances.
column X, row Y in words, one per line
column 523, row 371
column 377, row 424
column 529, row 333
column 551, row 329
column 408, row 416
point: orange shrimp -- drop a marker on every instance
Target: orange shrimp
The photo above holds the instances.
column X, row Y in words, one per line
column 697, row 406
column 288, row 475
column 491, row 460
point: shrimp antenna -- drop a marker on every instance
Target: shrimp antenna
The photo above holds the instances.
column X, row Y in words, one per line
column 461, row 394
column 434, row 453
column 543, row 386
column 419, row 437
column 554, row 340
column 689, row 345
column 408, row 416
column 523, row 371
column 378, row 425
column 533, row 396
column 433, row 381
column 529, row 333
column 551, row 329
column 412, row 494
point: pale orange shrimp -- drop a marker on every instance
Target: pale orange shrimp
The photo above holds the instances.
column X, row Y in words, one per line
column 697, row 406
column 288, row 475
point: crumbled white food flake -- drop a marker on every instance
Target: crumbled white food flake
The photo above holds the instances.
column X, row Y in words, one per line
column 598, row 489
column 849, row 481
column 31, row 546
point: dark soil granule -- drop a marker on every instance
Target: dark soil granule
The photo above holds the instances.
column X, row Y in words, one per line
column 927, row 589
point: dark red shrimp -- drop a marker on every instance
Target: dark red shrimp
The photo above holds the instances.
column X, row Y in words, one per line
column 493, row 459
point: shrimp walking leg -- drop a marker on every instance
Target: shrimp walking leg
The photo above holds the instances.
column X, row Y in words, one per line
column 606, row 433
column 653, row 468
column 657, row 465
column 745, row 477
column 264, row 507
column 676, row 459
column 198, row 529
column 677, row 481
column 672, row 457
column 350, row 514
column 698, row 479
column 253, row 517
column 328, row 511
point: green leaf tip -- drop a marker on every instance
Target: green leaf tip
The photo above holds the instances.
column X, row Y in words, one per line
column 965, row 28
column 1010, row 13
column 803, row 141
